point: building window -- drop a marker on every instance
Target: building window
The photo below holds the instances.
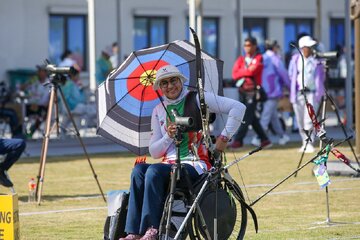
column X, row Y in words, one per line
column 337, row 33
column 294, row 27
column 68, row 32
column 150, row 32
column 255, row 27
column 210, row 33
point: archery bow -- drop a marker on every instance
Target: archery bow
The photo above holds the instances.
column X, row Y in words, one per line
column 320, row 131
column 200, row 87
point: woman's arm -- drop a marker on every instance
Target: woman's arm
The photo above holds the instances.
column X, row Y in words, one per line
column 223, row 105
column 159, row 143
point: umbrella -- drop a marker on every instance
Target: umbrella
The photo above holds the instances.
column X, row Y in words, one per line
column 126, row 99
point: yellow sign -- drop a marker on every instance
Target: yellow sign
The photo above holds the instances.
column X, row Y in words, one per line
column 9, row 217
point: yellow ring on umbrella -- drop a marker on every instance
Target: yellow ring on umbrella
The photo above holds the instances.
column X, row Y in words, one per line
column 148, row 77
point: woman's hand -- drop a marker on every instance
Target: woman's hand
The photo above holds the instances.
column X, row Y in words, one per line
column 171, row 129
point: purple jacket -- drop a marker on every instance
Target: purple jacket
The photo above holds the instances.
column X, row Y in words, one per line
column 319, row 78
column 274, row 76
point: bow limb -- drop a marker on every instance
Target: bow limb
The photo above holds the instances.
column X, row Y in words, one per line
column 200, row 88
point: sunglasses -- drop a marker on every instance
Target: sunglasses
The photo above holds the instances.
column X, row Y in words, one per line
column 173, row 81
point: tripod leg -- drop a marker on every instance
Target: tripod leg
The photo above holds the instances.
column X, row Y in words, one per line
column 40, row 177
column 81, row 142
column 174, row 172
column 321, row 144
column 56, row 123
column 335, row 108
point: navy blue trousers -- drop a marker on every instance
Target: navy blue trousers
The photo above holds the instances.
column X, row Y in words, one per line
column 13, row 148
column 148, row 191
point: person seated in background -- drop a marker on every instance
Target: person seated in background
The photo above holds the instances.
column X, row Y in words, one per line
column 149, row 182
column 38, row 98
column 8, row 113
column 75, row 97
column 12, row 148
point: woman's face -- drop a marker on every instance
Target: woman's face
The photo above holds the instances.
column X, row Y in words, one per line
column 306, row 51
column 171, row 87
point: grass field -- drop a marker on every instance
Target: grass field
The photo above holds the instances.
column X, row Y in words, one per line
column 72, row 208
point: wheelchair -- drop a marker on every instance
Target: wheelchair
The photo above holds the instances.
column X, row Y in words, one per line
column 220, row 209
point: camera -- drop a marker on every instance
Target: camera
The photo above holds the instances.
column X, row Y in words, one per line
column 182, row 121
column 326, row 55
column 58, row 73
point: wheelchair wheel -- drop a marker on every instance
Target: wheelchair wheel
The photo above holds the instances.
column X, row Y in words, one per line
column 231, row 213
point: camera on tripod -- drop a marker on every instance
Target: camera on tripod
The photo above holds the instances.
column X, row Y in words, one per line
column 58, row 74
column 333, row 55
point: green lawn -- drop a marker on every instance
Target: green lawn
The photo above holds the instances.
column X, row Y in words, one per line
column 295, row 210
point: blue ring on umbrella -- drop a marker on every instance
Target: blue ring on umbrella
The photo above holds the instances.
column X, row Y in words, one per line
column 131, row 104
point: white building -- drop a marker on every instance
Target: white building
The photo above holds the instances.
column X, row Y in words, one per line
column 33, row 30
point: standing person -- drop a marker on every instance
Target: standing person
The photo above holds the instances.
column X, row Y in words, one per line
column 314, row 76
column 115, row 55
column 103, row 65
column 13, row 148
column 247, row 72
column 274, row 79
column 149, row 183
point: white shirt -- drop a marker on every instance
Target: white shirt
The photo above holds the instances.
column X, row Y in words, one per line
column 309, row 77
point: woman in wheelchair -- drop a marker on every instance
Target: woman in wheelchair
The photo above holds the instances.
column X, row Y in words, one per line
column 149, row 183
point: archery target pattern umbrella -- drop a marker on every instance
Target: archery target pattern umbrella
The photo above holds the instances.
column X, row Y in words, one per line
column 126, row 99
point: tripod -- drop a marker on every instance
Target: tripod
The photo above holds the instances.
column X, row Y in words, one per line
column 55, row 80
column 323, row 116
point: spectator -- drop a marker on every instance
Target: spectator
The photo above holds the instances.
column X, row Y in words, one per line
column 115, row 55
column 247, row 72
column 12, row 148
column 103, row 65
column 66, row 59
column 75, row 97
column 314, row 87
column 38, row 98
column 274, row 79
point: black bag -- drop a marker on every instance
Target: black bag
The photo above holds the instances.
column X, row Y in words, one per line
column 114, row 227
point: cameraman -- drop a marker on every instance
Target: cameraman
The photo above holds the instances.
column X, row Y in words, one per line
column 149, row 182
column 314, row 76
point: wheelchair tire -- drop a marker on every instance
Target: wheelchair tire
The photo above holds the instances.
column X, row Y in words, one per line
column 231, row 216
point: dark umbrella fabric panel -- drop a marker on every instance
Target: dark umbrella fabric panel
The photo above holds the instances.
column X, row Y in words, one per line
column 126, row 99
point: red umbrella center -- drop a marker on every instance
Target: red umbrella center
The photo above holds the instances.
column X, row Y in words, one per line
column 140, row 81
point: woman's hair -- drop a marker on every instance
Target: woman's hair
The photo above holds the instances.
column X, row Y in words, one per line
column 66, row 53
column 252, row 40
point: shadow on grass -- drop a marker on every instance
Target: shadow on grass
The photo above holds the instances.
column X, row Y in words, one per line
column 53, row 198
column 67, row 158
